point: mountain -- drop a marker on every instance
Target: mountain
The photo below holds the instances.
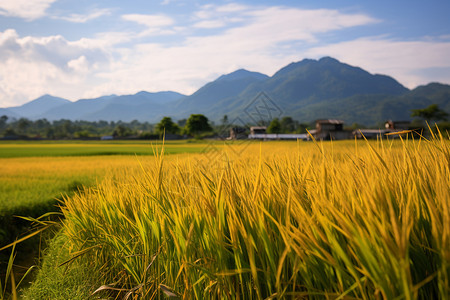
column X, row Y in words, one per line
column 242, row 74
column 7, row 112
column 315, row 89
column 306, row 90
column 431, row 93
column 142, row 106
column 372, row 109
column 328, row 78
column 225, row 88
column 39, row 106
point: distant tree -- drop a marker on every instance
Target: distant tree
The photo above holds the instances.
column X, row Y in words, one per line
column 288, row 125
column 23, row 124
column 135, row 123
column 167, row 125
column 224, row 120
column 9, row 132
column 49, row 132
column 432, row 112
column 197, row 124
column 274, row 126
column 301, row 128
column 182, row 122
column 41, row 123
column 63, row 128
column 121, row 131
column 82, row 134
column 356, row 126
column 3, row 120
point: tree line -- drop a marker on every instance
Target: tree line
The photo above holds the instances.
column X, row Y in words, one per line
column 67, row 129
column 197, row 125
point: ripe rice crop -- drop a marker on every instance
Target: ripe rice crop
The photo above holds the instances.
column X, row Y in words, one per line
column 32, row 181
column 338, row 220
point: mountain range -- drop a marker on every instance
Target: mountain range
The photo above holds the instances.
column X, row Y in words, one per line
column 304, row 90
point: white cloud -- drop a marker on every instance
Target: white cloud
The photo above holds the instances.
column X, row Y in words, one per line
column 406, row 61
column 232, row 8
column 149, row 20
column 254, row 45
column 211, row 11
column 262, row 39
column 26, row 9
column 31, row 66
column 257, row 42
column 214, row 16
column 155, row 24
column 79, row 65
column 210, row 24
column 79, row 18
column 287, row 24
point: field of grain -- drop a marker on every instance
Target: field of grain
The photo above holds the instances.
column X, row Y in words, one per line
column 10, row 149
column 36, row 175
column 33, row 173
column 331, row 220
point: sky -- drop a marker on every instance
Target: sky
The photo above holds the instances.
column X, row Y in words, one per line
column 89, row 48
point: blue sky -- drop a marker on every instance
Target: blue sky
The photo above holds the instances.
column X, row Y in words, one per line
column 82, row 49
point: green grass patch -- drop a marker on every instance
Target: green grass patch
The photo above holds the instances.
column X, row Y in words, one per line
column 76, row 280
column 10, row 149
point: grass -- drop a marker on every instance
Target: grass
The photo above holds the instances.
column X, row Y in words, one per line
column 61, row 283
column 35, row 174
column 337, row 220
column 28, row 182
column 10, row 149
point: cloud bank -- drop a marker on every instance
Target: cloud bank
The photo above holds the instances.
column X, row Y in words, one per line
column 26, row 9
column 159, row 52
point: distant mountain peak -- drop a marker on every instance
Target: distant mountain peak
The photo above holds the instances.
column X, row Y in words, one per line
column 241, row 74
column 328, row 59
column 39, row 105
column 48, row 97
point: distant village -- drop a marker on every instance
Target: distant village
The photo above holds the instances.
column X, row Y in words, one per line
column 199, row 127
column 326, row 129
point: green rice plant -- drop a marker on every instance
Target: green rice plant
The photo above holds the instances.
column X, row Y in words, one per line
column 322, row 220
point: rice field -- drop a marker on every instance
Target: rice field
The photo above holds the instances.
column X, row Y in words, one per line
column 33, row 173
column 13, row 149
column 36, row 175
column 331, row 220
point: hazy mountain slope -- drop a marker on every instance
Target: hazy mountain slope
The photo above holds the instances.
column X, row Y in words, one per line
column 7, row 112
column 114, row 108
column 77, row 110
column 437, row 93
column 227, row 86
column 39, row 106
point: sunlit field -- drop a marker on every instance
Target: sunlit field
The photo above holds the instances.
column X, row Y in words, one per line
column 333, row 220
column 36, row 175
column 33, row 181
column 32, row 173
column 91, row 148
